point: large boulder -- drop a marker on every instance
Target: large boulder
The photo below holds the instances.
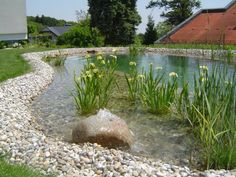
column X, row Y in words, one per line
column 105, row 129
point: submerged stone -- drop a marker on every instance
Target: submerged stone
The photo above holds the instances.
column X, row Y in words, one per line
column 105, row 129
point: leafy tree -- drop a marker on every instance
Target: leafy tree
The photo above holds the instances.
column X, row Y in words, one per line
column 34, row 28
column 116, row 19
column 150, row 35
column 82, row 35
column 176, row 11
column 163, row 28
column 48, row 21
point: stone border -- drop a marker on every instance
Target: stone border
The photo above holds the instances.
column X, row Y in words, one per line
column 22, row 138
column 198, row 53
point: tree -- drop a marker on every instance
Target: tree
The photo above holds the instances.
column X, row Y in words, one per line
column 176, row 11
column 82, row 35
column 150, row 35
column 163, row 28
column 116, row 19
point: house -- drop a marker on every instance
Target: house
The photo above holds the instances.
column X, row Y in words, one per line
column 13, row 22
column 55, row 31
column 216, row 26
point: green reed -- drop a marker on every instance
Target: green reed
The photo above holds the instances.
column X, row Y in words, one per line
column 132, row 80
column 157, row 95
column 93, row 86
column 55, row 61
column 211, row 110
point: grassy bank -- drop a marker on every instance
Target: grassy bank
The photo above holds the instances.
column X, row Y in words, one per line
column 12, row 63
column 9, row 170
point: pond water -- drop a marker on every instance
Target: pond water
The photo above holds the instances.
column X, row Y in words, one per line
column 162, row 137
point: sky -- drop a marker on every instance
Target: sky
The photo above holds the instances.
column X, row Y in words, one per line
column 66, row 9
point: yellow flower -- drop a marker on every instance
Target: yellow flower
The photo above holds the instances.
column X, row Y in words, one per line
column 159, row 68
column 132, row 63
column 113, row 56
column 99, row 57
column 95, row 71
column 130, row 79
column 78, row 79
column 205, row 68
column 87, row 56
column 103, row 62
column 227, row 82
column 100, row 76
column 92, row 65
column 173, row 74
column 89, row 76
column 141, row 76
column 87, row 72
column 203, row 79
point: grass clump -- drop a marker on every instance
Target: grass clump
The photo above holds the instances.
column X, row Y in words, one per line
column 132, row 79
column 55, row 61
column 150, row 88
column 10, row 170
column 211, row 111
column 94, row 85
column 157, row 95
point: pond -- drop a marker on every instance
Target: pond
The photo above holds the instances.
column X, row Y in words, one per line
column 162, row 137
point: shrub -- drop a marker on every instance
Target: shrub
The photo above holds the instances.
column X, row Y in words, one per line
column 2, row 44
column 81, row 36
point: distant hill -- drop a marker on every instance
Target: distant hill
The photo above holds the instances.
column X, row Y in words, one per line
column 36, row 24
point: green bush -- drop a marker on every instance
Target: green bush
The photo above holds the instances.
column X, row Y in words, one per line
column 81, row 36
column 2, row 44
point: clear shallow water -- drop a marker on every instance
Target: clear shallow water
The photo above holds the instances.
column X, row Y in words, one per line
column 162, row 137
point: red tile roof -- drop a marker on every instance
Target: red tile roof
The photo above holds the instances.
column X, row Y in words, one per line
column 207, row 26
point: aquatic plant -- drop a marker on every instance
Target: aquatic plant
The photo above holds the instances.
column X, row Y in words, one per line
column 93, row 87
column 55, row 61
column 133, row 78
column 211, row 111
column 156, row 94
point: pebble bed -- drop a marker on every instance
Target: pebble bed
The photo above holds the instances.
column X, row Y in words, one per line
column 22, row 138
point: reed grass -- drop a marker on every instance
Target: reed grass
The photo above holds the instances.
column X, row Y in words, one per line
column 93, row 86
column 157, row 95
column 211, row 111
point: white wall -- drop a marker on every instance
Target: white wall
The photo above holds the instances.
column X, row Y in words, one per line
column 13, row 21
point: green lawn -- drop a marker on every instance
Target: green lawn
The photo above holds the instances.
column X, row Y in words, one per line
column 9, row 170
column 12, row 63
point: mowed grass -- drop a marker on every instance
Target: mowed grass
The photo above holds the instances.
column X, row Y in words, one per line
column 12, row 63
column 10, row 170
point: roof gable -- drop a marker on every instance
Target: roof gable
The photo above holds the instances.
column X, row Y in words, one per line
column 216, row 10
column 57, row 30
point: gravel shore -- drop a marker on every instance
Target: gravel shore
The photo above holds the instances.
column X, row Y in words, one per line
column 22, row 138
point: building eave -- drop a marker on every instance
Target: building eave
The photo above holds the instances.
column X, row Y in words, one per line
column 213, row 10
